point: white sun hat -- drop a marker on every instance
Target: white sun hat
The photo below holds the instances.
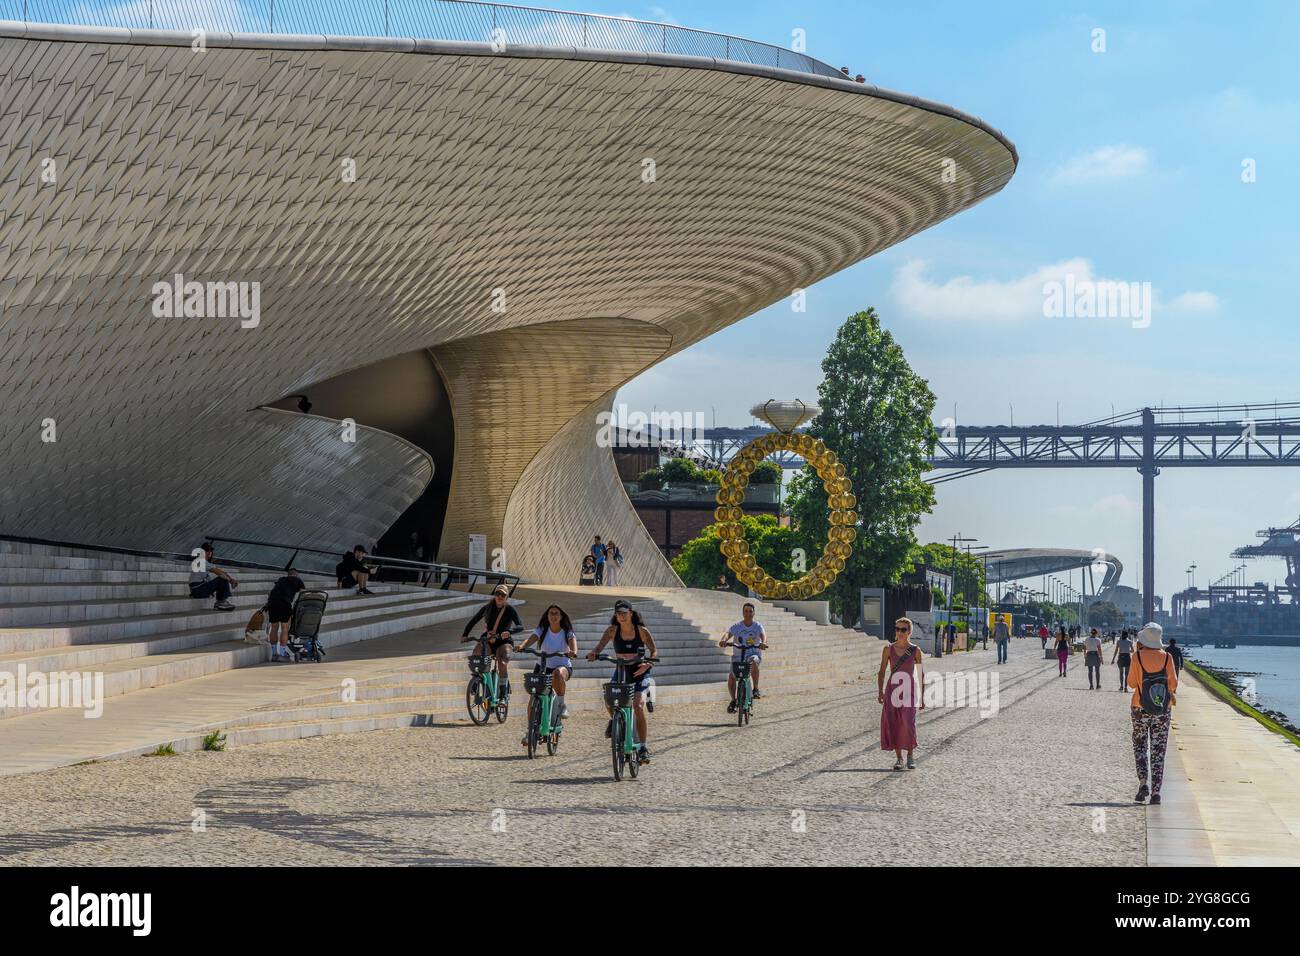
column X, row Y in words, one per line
column 1152, row 636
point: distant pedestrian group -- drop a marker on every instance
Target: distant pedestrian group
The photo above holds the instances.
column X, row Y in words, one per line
column 602, row 563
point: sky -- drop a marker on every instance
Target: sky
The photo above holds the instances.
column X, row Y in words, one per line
column 1131, row 169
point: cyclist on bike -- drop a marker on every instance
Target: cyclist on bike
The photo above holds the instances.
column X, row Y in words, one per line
column 499, row 617
column 554, row 635
column 631, row 640
column 744, row 633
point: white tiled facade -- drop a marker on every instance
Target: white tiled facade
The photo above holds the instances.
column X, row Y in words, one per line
column 124, row 163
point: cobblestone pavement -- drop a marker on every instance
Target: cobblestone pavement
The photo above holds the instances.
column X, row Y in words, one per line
column 1046, row 780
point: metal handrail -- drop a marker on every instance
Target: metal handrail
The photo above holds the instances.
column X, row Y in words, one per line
column 426, row 570
column 143, row 553
column 501, row 24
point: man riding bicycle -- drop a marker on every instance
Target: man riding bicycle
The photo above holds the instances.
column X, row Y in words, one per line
column 744, row 633
column 499, row 617
column 632, row 641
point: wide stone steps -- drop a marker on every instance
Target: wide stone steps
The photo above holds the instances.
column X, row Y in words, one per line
column 246, row 599
column 206, row 626
column 71, row 592
column 128, row 665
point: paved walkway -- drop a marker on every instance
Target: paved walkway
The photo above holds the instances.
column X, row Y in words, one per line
column 1042, row 781
column 1232, row 789
column 1047, row 779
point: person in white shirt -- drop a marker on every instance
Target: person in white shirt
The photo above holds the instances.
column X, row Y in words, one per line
column 744, row 633
column 554, row 635
column 1092, row 657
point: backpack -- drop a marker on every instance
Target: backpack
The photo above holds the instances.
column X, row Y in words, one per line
column 1153, row 695
column 256, row 624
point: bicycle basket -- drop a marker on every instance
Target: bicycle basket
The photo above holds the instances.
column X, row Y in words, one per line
column 480, row 664
column 537, row 683
column 741, row 668
column 619, row 695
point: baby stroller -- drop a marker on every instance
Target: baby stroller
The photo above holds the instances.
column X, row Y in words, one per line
column 305, row 626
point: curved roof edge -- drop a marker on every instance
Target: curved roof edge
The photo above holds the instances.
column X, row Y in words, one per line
column 17, row 29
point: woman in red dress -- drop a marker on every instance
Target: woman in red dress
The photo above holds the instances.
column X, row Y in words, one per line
column 902, row 697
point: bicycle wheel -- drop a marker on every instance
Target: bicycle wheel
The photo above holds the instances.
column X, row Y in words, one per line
column 553, row 741
column 634, row 764
column 534, row 722
column 475, row 701
column 503, row 708
column 742, row 702
column 616, row 732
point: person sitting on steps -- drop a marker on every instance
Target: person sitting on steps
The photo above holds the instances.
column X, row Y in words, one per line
column 211, row 580
column 352, row 571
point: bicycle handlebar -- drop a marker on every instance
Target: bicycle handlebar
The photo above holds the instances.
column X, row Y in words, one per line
column 626, row 660
column 542, row 654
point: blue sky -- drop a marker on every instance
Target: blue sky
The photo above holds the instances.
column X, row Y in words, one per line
column 1130, row 168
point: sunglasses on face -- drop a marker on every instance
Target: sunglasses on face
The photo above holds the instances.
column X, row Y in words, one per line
column 900, row 630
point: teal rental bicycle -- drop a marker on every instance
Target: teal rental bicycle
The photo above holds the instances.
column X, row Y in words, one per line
column 544, row 722
column 744, row 682
column 619, row 695
column 483, row 695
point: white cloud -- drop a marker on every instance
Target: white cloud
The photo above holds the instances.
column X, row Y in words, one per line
column 1017, row 299
column 965, row 297
column 1103, row 164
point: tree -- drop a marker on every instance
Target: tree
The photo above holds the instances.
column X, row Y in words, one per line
column 700, row 562
column 876, row 417
column 767, row 473
column 970, row 569
column 1104, row 614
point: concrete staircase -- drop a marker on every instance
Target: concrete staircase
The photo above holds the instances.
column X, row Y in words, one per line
column 173, row 668
column 686, row 625
column 70, row 611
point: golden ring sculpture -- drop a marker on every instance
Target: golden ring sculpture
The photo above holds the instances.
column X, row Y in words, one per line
column 786, row 416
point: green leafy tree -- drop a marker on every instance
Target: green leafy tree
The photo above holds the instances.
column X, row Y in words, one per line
column 970, row 569
column 1104, row 614
column 767, row 473
column 876, row 417
column 700, row 562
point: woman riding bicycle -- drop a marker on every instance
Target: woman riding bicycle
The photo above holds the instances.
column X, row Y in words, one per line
column 554, row 635
column 631, row 642
column 498, row 616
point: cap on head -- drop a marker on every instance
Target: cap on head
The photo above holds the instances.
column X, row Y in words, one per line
column 501, row 589
column 621, row 605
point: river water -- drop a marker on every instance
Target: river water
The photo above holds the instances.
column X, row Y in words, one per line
column 1276, row 671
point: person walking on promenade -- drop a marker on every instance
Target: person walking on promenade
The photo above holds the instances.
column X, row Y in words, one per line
column 1121, row 656
column 1043, row 634
column 1062, row 648
column 903, row 697
column 1092, row 658
column 1154, row 682
column 1002, row 638
column 1176, row 653
column 950, row 637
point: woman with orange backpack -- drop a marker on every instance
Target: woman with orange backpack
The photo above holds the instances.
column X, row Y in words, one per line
column 1153, row 679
